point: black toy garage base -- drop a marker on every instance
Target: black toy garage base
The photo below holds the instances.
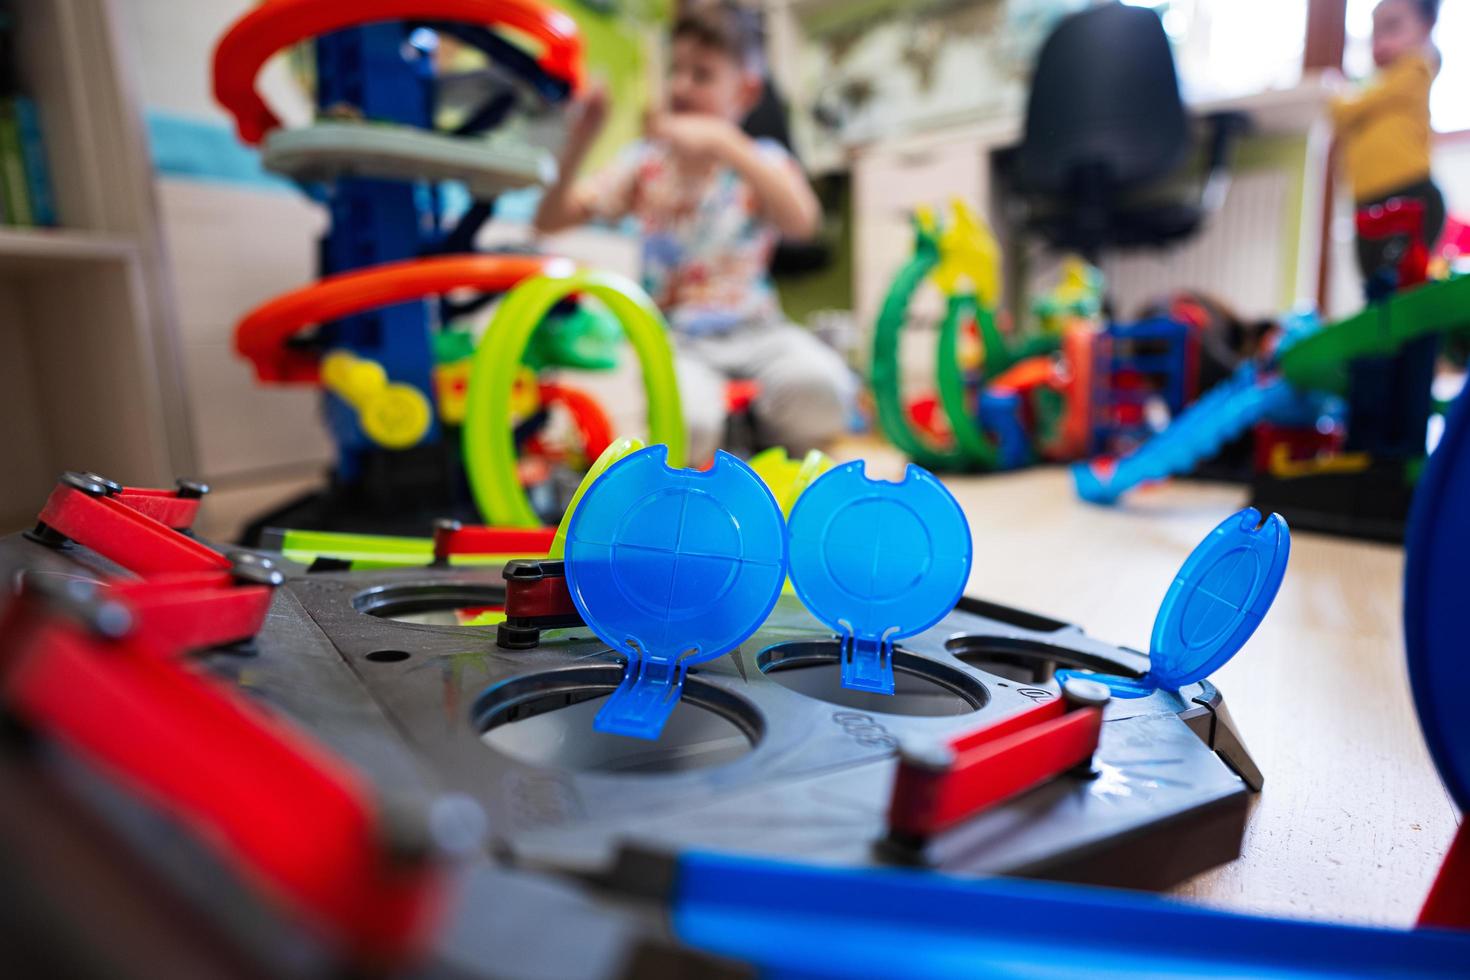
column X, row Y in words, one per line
column 1372, row 504
column 413, row 705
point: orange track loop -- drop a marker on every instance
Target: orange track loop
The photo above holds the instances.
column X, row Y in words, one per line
column 278, row 24
column 261, row 336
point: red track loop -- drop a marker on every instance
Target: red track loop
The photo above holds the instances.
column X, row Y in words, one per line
column 261, row 336
column 278, row 24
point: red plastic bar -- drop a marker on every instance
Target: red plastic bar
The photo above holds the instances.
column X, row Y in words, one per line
column 278, row 24
column 289, row 817
column 991, row 764
column 536, row 598
column 195, row 611
column 262, row 335
column 164, row 506
column 477, row 539
column 126, row 535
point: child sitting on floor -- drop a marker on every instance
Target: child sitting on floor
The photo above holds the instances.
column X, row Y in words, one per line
column 710, row 203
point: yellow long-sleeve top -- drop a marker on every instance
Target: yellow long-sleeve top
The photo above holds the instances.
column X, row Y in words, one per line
column 1383, row 131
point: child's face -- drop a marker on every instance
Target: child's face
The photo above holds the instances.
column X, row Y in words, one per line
column 1398, row 29
column 706, row 80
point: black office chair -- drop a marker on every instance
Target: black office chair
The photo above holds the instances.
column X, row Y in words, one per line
column 1107, row 135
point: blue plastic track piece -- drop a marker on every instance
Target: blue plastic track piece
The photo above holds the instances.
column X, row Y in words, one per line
column 790, row 920
column 672, row 567
column 1218, row 598
column 876, row 562
column 1436, row 584
column 1223, row 413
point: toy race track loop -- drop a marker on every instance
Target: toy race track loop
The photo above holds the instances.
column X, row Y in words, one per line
column 278, row 24
column 262, row 336
column 488, row 443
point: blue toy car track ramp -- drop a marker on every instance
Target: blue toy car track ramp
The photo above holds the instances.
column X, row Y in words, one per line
column 1224, row 412
column 672, row 567
column 790, row 920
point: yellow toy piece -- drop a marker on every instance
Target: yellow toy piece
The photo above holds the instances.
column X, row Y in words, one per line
column 616, row 450
column 392, row 414
column 787, row 478
column 525, row 394
column 452, row 383
column 969, row 258
column 1281, row 464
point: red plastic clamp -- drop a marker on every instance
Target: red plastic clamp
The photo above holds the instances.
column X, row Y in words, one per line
column 453, row 538
column 944, row 784
column 88, row 667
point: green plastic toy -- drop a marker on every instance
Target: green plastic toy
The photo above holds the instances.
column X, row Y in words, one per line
column 489, row 449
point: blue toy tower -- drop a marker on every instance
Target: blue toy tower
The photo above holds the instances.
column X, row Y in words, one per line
column 377, row 73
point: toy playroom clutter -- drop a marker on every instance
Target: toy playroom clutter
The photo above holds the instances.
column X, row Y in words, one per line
column 1335, row 414
column 740, row 701
column 458, row 418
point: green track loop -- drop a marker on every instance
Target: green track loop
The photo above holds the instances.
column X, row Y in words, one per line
column 489, row 448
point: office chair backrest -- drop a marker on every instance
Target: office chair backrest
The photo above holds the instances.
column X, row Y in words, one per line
column 1104, row 100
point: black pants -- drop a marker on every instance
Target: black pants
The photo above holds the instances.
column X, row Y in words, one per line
column 1374, row 255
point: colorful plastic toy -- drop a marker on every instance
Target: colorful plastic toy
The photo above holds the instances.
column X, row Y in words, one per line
column 278, row 24
column 393, row 414
column 789, row 478
column 963, row 260
column 488, row 446
column 390, row 258
column 1314, row 362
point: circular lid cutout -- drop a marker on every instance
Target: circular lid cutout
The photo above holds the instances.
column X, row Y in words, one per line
column 674, row 565
column 1218, row 597
column 878, row 559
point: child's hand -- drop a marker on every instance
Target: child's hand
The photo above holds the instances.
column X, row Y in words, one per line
column 692, row 134
column 589, row 114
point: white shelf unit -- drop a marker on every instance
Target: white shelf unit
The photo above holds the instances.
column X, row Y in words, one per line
column 88, row 376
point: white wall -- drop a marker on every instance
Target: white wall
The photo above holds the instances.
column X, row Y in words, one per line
column 173, row 41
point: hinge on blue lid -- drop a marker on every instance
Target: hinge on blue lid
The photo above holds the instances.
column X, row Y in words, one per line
column 867, row 664
column 690, row 563
column 643, row 701
column 877, row 561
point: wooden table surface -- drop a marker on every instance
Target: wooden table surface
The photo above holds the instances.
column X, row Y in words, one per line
column 1353, row 819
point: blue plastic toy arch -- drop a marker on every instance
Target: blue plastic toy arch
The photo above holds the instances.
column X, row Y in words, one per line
column 877, row 561
column 672, row 568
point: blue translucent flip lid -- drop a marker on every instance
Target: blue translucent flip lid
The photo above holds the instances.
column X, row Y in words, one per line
column 1217, row 599
column 876, row 562
column 672, row 567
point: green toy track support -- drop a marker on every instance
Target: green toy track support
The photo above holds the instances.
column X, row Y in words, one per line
column 364, row 551
column 1319, row 361
column 887, row 386
column 615, row 451
column 489, row 448
column 969, row 438
column 972, row 450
